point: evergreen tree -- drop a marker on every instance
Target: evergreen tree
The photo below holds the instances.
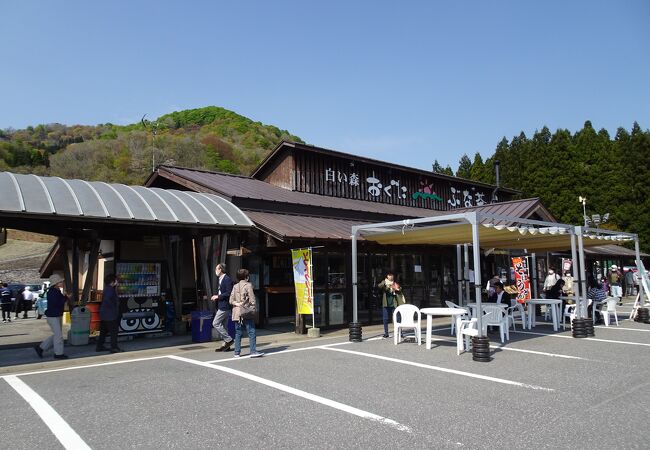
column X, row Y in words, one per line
column 464, row 167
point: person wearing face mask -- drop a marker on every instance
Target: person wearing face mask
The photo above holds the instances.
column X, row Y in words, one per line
column 550, row 281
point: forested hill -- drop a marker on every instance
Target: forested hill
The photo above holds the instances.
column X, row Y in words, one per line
column 210, row 138
column 613, row 173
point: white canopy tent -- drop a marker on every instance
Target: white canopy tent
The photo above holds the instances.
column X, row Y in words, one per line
column 480, row 229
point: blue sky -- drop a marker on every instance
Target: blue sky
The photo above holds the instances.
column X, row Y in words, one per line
column 407, row 81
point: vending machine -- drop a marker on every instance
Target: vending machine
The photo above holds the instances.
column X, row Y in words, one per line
column 139, row 291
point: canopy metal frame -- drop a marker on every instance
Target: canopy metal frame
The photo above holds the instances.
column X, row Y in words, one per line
column 574, row 234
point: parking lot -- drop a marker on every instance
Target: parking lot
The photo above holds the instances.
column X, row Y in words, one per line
column 542, row 390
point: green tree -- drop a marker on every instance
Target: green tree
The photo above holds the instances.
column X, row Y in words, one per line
column 464, row 167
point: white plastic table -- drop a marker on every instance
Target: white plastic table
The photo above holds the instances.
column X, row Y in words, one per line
column 451, row 312
column 556, row 305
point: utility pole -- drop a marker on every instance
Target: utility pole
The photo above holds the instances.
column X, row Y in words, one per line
column 153, row 126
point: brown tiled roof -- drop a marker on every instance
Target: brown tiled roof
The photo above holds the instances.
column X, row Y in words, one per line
column 237, row 186
column 514, row 208
column 287, row 226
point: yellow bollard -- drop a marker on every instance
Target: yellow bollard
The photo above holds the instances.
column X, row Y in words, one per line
column 66, row 318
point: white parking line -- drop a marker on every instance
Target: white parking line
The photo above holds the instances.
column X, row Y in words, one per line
column 59, row 427
column 62, row 369
column 603, row 327
column 521, row 350
column 300, row 393
column 279, row 352
column 583, row 339
column 443, row 369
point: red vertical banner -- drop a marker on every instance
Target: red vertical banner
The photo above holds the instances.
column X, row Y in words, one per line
column 522, row 278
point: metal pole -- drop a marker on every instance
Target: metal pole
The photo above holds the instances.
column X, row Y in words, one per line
column 466, row 273
column 583, row 280
column 477, row 271
column 354, row 276
column 311, row 287
column 459, row 274
column 534, row 273
column 637, row 254
column 574, row 267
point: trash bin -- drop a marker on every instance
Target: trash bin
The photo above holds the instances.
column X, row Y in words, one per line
column 79, row 326
column 201, row 326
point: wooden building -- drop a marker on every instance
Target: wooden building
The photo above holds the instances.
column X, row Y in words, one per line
column 306, row 196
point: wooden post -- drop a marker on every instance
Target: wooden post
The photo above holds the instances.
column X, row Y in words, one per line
column 67, row 276
column 92, row 263
column 204, row 245
column 75, row 272
column 171, row 270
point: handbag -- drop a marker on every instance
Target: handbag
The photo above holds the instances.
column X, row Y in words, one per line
column 247, row 310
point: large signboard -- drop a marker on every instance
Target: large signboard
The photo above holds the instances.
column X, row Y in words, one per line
column 375, row 181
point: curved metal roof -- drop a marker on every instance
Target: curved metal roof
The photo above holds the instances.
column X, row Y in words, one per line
column 47, row 196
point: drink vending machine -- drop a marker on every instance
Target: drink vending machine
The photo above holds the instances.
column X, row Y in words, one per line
column 139, row 291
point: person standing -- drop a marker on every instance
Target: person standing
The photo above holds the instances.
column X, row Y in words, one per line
column 629, row 282
column 109, row 313
column 223, row 307
column 18, row 301
column 615, row 282
column 28, row 299
column 55, row 305
column 243, row 297
column 550, row 280
column 392, row 297
column 5, row 302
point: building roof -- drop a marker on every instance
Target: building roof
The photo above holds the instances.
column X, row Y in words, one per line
column 611, row 250
column 288, row 226
column 235, row 187
column 335, row 153
column 33, row 197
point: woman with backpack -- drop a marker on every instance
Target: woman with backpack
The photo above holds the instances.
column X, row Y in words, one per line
column 242, row 299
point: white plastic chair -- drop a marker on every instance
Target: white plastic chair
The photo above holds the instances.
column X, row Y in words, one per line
column 607, row 308
column 410, row 317
column 569, row 312
column 466, row 329
column 512, row 315
column 498, row 318
column 469, row 328
column 451, row 304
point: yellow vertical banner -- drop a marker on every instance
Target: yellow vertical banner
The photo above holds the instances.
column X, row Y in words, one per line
column 302, row 279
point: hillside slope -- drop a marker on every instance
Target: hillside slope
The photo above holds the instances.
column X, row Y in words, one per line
column 211, row 138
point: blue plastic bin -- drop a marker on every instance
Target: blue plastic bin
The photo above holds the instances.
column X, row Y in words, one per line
column 201, row 326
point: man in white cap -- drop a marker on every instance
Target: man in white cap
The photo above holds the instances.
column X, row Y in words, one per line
column 55, row 304
column 615, row 282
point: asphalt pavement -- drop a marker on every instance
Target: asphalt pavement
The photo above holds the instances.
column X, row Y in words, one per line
column 543, row 389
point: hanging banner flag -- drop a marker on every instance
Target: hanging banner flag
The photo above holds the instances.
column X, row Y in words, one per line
column 303, row 280
column 522, row 278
